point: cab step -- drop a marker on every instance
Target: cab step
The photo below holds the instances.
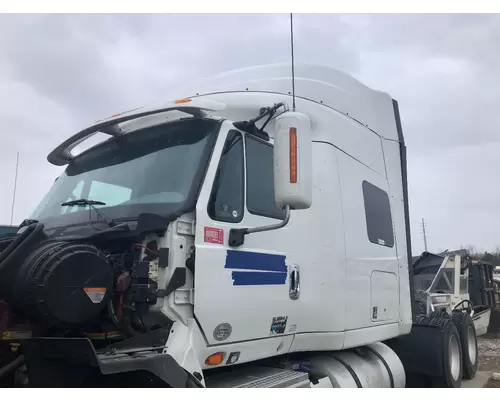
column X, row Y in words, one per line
column 260, row 377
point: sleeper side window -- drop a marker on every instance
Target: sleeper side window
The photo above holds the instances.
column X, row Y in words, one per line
column 226, row 202
column 378, row 215
column 260, row 179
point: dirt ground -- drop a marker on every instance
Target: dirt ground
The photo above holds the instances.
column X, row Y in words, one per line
column 489, row 353
column 489, row 350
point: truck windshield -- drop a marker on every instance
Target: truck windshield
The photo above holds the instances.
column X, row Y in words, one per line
column 155, row 170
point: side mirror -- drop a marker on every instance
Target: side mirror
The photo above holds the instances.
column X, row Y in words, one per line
column 293, row 161
column 292, row 171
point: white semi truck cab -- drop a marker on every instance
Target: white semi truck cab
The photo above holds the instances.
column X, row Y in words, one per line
column 252, row 234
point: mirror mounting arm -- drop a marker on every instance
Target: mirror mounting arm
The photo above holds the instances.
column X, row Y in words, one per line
column 237, row 235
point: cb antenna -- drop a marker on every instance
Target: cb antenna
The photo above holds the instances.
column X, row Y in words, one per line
column 293, row 62
column 14, row 192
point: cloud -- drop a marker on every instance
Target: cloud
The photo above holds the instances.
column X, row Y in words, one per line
column 59, row 73
column 456, row 194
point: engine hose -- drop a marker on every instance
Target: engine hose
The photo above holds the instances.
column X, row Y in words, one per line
column 12, row 366
column 127, row 328
column 5, row 240
column 469, row 309
column 112, row 314
column 15, row 242
column 27, row 237
column 124, row 325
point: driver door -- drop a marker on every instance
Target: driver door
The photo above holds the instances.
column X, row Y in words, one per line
column 241, row 293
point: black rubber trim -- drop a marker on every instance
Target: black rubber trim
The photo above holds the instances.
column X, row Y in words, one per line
column 151, row 222
column 163, row 257
column 404, row 174
column 153, row 339
column 236, row 134
column 391, row 377
column 21, row 242
column 65, row 362
column 177, row 280
column 348, row 367
column 399, row 127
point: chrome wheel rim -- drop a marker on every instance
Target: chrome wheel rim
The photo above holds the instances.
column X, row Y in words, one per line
column 454, row 357
column 471, row 344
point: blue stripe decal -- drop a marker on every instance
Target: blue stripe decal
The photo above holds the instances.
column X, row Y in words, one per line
column 241, row 278
column 255, row 261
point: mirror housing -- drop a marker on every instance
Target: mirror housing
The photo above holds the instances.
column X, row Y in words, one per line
column 293, row 161
column 292, row 171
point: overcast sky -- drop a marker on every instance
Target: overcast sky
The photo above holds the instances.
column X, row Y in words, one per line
column 60, row 73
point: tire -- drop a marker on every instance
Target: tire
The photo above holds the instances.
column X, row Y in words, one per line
column 467, row 332
column 451, row 351
column 431, row 354
column 21, row 377
column 414, row 381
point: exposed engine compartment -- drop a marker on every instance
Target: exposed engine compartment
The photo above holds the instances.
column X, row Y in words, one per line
column 73, row 284
column 73, row 287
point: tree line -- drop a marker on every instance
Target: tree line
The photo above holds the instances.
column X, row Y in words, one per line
column 490, row 257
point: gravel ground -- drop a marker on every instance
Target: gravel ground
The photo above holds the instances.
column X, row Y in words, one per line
column 489, row 351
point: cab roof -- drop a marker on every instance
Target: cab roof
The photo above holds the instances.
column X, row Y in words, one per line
column 323, row 85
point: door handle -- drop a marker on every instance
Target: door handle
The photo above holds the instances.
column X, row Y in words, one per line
column 294, row 282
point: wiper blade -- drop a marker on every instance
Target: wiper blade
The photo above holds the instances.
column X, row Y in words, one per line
column 91, row 204
column 83, row 202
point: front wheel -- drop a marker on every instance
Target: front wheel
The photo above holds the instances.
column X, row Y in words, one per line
column 467, row 332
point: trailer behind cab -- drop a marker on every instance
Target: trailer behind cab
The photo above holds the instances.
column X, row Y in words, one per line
column 470, row 280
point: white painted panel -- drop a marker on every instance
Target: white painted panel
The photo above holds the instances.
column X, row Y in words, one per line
column 362, row 256
column 327, row 125
column 322, row 341
column 394, row 177
column 384, row 295
column 313, row 240
column 321, row 84
column 251, row 350
column 361, row 337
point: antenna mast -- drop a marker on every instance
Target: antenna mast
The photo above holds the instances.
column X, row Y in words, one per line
column 293, row 62
column 15, row 188
column 424, row 234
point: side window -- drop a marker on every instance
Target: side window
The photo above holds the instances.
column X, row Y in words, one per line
column 260, row 179
column 226, row 200
column 378, row 215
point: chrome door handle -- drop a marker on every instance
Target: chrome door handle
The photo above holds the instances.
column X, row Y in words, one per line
column 294, row 282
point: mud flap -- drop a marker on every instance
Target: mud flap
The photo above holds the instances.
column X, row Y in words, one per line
column 421, row 350
column 74, row 362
